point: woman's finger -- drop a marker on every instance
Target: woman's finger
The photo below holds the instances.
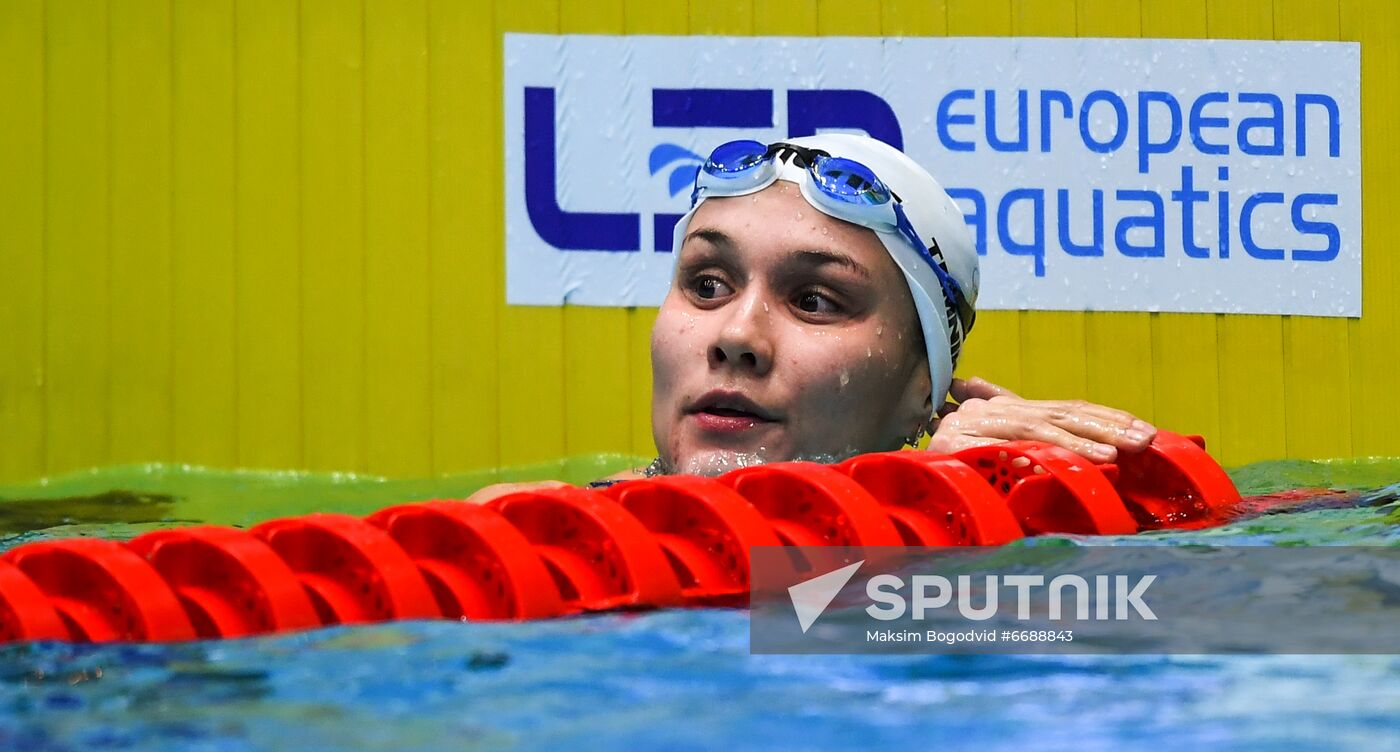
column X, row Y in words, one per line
column 1098, row 422
column 1109, row 427
column 952, row 442
column 1019, row 421
column 977, row 387
column 1102, row 412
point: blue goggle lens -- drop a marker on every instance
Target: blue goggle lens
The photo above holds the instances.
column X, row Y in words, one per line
column 849, row 181
column 734, row 157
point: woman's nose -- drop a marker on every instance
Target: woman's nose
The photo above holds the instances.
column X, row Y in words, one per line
column 744, row 342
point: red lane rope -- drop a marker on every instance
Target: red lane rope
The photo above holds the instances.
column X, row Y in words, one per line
column 648, row 543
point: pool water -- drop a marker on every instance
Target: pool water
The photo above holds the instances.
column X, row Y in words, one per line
column 680, row 679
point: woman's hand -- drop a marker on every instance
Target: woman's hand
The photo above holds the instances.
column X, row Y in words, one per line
column 490, row 493
column 989, row 414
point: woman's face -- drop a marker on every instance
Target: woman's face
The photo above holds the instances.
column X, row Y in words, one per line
column 786, row 334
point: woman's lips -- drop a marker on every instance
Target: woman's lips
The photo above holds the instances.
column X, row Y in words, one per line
column 728, row 424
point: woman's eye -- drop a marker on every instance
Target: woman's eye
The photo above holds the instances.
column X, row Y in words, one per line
column 815, row 302
column 709, row 288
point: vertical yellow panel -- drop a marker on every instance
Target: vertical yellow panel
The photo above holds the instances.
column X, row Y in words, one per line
column 639, row 324
column 1053, row 355
column 398, row 280
column 268, row 260
column 993, row 349
column 464, row 233
column 597, row 387
column 141, row 302
column 76, row 242
column 1174, row 19
column 531, row 370
column 979, row 18
column 722, row 17
column 1373, row 338
column 839, row 18
column 203, row 232
column 644, row 17
column 1240, row 19
column 1043, row 18
column 1252, row 423
column 780, row 18
column 332, row 235
column 913, row 18
column 1184, row 346
column 1108, row 18
column 1316, row 351
column 21, row 240
column 1118, row 346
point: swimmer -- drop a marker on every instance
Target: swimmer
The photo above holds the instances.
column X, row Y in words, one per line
column 823, row 289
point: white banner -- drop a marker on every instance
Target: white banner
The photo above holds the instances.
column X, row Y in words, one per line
column 1096, row 174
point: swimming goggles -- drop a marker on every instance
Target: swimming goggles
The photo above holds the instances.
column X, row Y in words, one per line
column 845, row 189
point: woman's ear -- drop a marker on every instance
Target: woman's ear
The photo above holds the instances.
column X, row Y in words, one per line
column 915, row 407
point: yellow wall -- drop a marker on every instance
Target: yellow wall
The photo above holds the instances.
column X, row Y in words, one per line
column 252, row 233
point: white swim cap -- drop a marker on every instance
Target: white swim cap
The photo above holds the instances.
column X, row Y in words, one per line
column 936, row 220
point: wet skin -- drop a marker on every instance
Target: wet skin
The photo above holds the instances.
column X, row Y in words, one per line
column 786, row 334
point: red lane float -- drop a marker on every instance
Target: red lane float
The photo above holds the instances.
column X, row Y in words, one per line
column 478, row 565
column 814, row 505
column 705, row 529
column 1050, row 489
column 25, row 612
column 644, row 543
column 1174, row 483
column 934, row 500
column 103, row 591
column 600, row 555
column 230, row 583
column 352, row 571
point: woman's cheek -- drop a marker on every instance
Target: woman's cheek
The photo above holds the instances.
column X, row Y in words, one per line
column 859, row 379
column 668, row 346
column 665, row 364
column 824, row 378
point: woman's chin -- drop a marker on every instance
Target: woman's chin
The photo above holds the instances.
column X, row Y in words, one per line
column 715, row 462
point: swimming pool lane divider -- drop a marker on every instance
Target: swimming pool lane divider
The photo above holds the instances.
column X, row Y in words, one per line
column 647, row 543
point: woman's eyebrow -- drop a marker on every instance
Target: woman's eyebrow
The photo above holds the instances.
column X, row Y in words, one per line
column 824, row 258
column 716, row 238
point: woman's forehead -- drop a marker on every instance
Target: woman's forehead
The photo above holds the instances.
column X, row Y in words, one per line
column 777, row 224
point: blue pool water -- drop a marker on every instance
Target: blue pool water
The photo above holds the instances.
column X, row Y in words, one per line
column 679, row 679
